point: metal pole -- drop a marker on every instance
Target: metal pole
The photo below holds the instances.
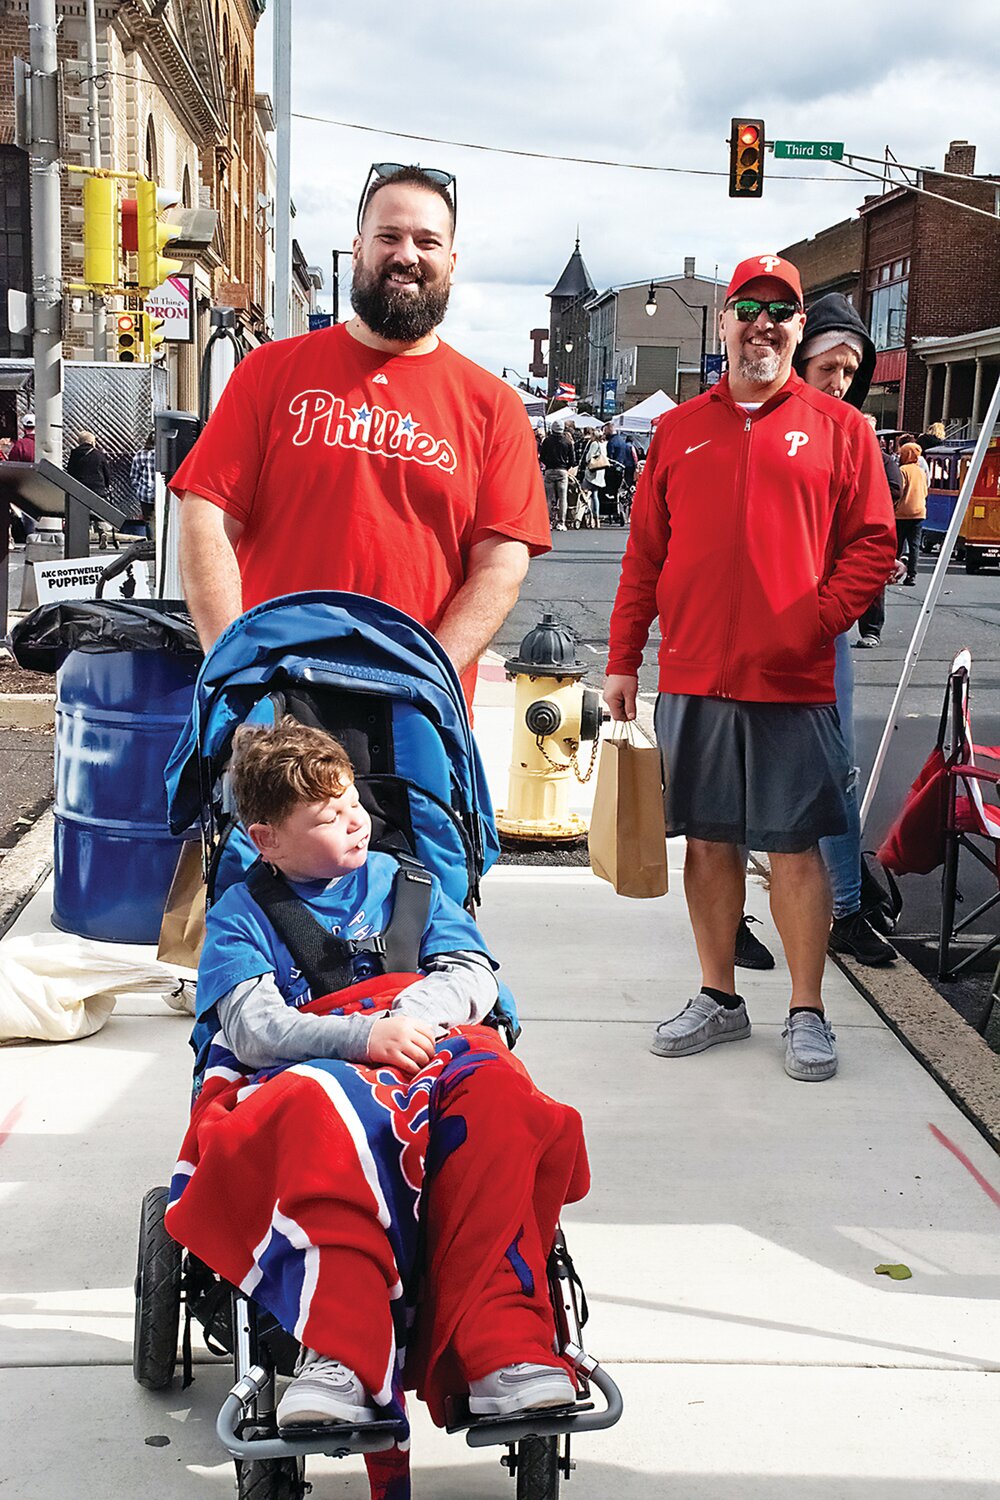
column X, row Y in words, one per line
column 98, row 305
column 283, row 190
column 933, row 592
column 46, row 235
column 704, row 344
column 336, row 286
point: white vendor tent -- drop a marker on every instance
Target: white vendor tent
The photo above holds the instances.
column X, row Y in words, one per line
column 641, row 418
column 533, row 405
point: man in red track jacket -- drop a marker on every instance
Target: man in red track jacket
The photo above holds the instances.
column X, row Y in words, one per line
column 762, row 527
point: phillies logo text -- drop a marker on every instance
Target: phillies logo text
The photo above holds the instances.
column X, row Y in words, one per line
column 367, row 429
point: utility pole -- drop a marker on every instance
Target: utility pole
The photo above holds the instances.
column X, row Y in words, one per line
column 283, row 164
column 97, row 302
column 46, row 235
column 336, row 282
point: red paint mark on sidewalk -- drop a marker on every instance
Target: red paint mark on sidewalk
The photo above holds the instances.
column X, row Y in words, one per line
column 491, row 672
column 10, row 1120
column 974, row 1171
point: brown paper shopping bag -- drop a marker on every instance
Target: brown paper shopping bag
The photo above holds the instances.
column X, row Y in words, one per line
column 627, row 831
column 182, row 930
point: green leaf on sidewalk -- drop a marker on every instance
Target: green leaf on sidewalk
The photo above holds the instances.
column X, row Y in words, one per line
column 898, row 1273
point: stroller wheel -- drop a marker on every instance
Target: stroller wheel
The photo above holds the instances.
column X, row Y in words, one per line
column 270, row 1479
column 538, row 1468
column 157, row 1297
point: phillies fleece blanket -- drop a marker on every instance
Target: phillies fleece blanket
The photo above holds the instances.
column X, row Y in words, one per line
column 400, row 1224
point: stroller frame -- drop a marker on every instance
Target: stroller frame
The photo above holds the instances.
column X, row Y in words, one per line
column 270, row 1466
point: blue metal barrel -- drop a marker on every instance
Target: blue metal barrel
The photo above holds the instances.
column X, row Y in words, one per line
column 118, row 716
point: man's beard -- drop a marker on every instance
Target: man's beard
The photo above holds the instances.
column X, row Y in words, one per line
column 763, row 369
column 392, row 313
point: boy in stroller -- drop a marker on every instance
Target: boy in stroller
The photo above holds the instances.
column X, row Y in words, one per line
column 360, row 1146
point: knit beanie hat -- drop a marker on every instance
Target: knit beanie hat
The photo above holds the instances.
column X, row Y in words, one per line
column 821, row 342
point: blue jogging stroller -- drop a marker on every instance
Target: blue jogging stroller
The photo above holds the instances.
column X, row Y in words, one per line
column 378, row 682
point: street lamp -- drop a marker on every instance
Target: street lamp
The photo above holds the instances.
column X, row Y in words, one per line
column 702, row 308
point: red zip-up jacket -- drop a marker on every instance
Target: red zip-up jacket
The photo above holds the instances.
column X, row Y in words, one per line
column 757, row 537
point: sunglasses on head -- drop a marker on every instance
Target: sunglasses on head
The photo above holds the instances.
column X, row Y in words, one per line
column 748, row 310
column 379, row 170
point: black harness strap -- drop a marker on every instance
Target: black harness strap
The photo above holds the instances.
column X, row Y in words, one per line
column 326, row 961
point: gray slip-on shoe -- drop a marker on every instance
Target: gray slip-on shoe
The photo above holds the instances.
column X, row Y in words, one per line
column 810, row 1053
column 702, row 1023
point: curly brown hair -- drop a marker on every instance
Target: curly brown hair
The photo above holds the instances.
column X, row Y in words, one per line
column 276, row 770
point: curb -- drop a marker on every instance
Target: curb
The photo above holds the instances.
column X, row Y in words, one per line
column 27, row 711
column 956, row 1057
column 23, row 869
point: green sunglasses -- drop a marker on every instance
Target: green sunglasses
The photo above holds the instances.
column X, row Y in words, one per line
column 748, row 310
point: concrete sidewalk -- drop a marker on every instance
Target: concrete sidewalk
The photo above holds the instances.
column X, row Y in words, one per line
column 728, row 1245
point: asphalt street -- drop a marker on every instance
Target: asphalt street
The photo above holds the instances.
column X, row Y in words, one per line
column 577, row 583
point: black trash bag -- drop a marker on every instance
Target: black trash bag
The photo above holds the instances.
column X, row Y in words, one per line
column 43, row 640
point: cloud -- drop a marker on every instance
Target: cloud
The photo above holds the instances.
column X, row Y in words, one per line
column 656, row 84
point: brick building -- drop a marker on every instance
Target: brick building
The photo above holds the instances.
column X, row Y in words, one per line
column 177, row 104
column 568, row 324
column 925, row 276
column 829, row 261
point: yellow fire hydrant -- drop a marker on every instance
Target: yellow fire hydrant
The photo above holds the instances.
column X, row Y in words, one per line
column 554, row 714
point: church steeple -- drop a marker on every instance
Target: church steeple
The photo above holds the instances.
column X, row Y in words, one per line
column 575, row 280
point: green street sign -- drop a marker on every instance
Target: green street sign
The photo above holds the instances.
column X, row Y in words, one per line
column 809, row 150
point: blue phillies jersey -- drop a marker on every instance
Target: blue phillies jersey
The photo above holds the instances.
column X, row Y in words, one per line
column 241, row 943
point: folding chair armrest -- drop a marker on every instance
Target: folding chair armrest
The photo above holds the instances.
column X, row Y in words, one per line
column 975, row 773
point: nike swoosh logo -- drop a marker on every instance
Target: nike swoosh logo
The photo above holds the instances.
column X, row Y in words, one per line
column 697, row 446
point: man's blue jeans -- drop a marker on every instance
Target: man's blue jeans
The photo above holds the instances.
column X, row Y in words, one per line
column 842, row 853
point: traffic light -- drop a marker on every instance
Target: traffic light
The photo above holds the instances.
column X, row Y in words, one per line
column 152, row 334
column 100, row 231
column 127, row 338
column 746, row 159
column 153, row 234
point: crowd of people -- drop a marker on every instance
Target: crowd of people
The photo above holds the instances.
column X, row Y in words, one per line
column 586, row 470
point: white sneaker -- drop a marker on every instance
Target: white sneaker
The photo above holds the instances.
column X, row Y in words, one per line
column 518, row 1388
column 323, row 1390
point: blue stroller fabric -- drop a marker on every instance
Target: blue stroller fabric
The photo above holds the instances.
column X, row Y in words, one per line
column 419, row 764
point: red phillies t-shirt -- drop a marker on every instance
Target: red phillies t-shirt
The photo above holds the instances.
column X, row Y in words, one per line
column 351, row 469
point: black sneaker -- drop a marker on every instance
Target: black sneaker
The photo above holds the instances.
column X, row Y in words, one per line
column 855, row 936
column 750, row 952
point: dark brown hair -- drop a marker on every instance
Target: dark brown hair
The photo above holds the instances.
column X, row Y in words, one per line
column 276, row 770
column 411, row 177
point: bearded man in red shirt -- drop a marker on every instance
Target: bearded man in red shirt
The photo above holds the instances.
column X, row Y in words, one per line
column 762, row 528
column 370, row 456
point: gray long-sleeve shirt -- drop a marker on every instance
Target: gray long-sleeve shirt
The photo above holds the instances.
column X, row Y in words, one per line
column 261, row 1029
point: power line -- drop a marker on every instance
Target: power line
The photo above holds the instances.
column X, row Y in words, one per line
column 584, row 161
column 925, row 192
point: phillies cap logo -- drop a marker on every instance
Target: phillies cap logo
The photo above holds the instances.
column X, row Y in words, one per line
column 769, row 262
column 795, row 441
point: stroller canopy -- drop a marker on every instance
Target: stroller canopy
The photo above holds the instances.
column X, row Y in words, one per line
column 325, row 642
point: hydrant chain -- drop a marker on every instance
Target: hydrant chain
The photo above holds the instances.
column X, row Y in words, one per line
column 572, row 763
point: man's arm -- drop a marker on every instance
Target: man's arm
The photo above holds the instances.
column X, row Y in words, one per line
column 496, row 570
column 209, row 570
column 866, row 543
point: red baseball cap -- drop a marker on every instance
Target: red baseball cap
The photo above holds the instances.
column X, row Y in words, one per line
column 766, row 265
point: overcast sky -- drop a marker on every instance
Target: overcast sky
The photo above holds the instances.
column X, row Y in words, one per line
column 659, row 88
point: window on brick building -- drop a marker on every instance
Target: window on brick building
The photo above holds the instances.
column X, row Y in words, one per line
column 889, row 286
column 15, row 240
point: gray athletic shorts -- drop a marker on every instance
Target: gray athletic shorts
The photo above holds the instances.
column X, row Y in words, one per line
column 773, row 776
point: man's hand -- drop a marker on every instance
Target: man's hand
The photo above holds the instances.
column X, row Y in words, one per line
column 400, row 1042
column 619, row 694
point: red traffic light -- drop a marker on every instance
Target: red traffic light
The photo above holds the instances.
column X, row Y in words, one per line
column 746, row 158
column 125, row 323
